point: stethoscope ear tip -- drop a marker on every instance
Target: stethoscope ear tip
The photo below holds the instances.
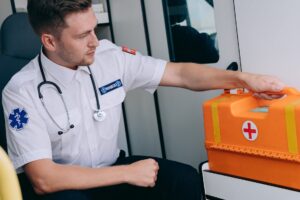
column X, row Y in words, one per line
column 61, row 132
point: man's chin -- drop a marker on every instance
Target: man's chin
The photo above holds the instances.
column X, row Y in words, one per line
column 87, row 62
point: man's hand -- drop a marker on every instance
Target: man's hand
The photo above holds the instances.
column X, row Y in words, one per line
column 263, row 86
column 142, row 173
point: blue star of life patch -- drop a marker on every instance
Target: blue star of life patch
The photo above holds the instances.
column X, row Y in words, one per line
column 18, row 118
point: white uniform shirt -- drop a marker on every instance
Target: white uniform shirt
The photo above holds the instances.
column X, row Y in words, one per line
column 32, row 135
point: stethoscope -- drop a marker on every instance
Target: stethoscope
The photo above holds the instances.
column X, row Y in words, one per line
column 99, row 115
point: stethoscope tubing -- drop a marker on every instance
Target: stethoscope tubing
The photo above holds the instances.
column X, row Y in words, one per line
column 98, row 112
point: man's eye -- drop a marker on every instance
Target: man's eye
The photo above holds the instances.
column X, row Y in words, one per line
column 83, row 36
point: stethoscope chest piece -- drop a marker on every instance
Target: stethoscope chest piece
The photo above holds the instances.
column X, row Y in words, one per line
column 99, row 115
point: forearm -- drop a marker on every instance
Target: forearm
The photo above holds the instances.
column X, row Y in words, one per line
column 200, row 77
column 56, row 177
column 75, row 177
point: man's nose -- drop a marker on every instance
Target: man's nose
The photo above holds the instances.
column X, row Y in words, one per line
column 94, row 42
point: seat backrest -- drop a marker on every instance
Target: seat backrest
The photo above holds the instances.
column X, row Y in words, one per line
column 9, row 184
column 19, row 45
column 178, row 11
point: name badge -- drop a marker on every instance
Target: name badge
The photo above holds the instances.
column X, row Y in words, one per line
column 110, row 87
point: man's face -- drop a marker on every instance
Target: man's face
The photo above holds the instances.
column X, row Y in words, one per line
column 77, row 43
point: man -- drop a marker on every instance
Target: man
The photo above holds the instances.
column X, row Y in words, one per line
column 62, row 111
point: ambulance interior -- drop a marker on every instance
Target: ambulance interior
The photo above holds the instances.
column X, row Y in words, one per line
column 260, row 36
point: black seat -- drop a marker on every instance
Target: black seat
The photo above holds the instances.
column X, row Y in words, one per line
column 189, row 45
column 19, row 45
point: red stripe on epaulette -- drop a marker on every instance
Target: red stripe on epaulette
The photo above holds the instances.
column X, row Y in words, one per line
column 130, row 51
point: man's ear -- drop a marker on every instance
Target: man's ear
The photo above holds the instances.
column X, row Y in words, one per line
column 48, row 41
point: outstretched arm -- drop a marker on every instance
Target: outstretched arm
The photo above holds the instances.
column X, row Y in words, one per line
column 199, row 77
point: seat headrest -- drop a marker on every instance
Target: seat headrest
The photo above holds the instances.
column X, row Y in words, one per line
column 178, row 11
column 18, row 38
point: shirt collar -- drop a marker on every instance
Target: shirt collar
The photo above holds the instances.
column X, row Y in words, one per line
column 60, row 73
column 84, row 68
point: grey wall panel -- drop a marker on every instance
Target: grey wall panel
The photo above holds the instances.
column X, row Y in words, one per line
column 182, row 119
column 5, row 10
column 128, row 28
column 128, row 24
column 269, row 38
column 142, row 124
column 181, row 110
column 157, row 29
column 122, row 137
column 103, row 32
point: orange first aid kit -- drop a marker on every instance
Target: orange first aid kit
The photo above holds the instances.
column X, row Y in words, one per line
column 254, row 138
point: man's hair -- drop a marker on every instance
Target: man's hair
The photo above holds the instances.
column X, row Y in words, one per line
column 49, row 15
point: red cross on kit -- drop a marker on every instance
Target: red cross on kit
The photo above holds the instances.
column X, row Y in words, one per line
column 249, row 130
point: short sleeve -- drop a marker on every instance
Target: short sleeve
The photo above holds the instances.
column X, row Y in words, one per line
column 141, row 71
column 26, row 133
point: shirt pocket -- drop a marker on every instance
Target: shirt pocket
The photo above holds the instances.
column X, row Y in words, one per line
column 65, row 147
column 112, row 99
column 110, row 103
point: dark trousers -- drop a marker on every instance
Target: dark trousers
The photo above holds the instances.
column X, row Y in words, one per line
column 175, row 181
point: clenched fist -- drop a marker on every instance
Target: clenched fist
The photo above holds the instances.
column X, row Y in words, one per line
column 142, row 173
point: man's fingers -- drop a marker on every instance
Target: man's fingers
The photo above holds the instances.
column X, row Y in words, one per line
column 268, row 96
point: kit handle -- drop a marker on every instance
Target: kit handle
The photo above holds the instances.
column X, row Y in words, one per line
column 286, row 91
